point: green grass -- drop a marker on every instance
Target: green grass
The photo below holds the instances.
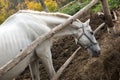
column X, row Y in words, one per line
column 76, row 6
column 73, row 8
column 114, row 3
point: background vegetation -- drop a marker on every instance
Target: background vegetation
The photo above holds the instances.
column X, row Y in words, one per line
column 8, row 7
column 78, row 4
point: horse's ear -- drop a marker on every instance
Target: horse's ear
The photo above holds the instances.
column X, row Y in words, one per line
column 87, row 22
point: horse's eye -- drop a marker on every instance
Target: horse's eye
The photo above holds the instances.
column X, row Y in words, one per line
column 91, row 32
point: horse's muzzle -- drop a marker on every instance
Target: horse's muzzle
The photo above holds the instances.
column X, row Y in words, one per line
column 97, row 54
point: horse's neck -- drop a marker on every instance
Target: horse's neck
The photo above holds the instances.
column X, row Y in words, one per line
column 50, row 18
column 52, row 21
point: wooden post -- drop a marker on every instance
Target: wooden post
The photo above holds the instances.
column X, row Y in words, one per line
column 25, row 52
column 108, row 17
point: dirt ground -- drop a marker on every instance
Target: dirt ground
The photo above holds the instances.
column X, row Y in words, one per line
column 83, row 67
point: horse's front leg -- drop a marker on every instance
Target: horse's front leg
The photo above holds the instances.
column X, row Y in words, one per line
column 44, row 53
column 34, row 70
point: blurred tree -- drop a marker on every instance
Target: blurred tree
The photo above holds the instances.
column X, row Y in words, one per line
column 14, row 3
column 35, row 5
column 43, row 5
column 59, row 3
column 8, row 7
column 51, row 5
column 64, row 2
column 5, row 10
column 21, row 4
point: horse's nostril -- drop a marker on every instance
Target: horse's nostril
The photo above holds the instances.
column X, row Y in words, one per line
column 97, row 53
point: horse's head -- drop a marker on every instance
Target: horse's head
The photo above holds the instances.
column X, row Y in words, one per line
column 86, row 39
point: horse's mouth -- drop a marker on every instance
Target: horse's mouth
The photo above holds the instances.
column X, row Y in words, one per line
column 94, row 53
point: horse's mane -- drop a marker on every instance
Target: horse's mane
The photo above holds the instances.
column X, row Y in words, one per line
column 62, row 15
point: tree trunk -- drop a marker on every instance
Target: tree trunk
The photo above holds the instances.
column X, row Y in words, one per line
column 43, row 5
column 108, row 17
column 21, row 5
column 58, row 2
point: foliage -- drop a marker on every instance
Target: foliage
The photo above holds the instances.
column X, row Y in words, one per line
column 64, row 2
column 97, row 7
column 73, row 8
column 114, row 3
column 4, row 10
column 51, row 5
column 32, row 5
column 7, row 7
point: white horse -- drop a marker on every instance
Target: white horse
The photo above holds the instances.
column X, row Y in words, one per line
column 23, row 27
